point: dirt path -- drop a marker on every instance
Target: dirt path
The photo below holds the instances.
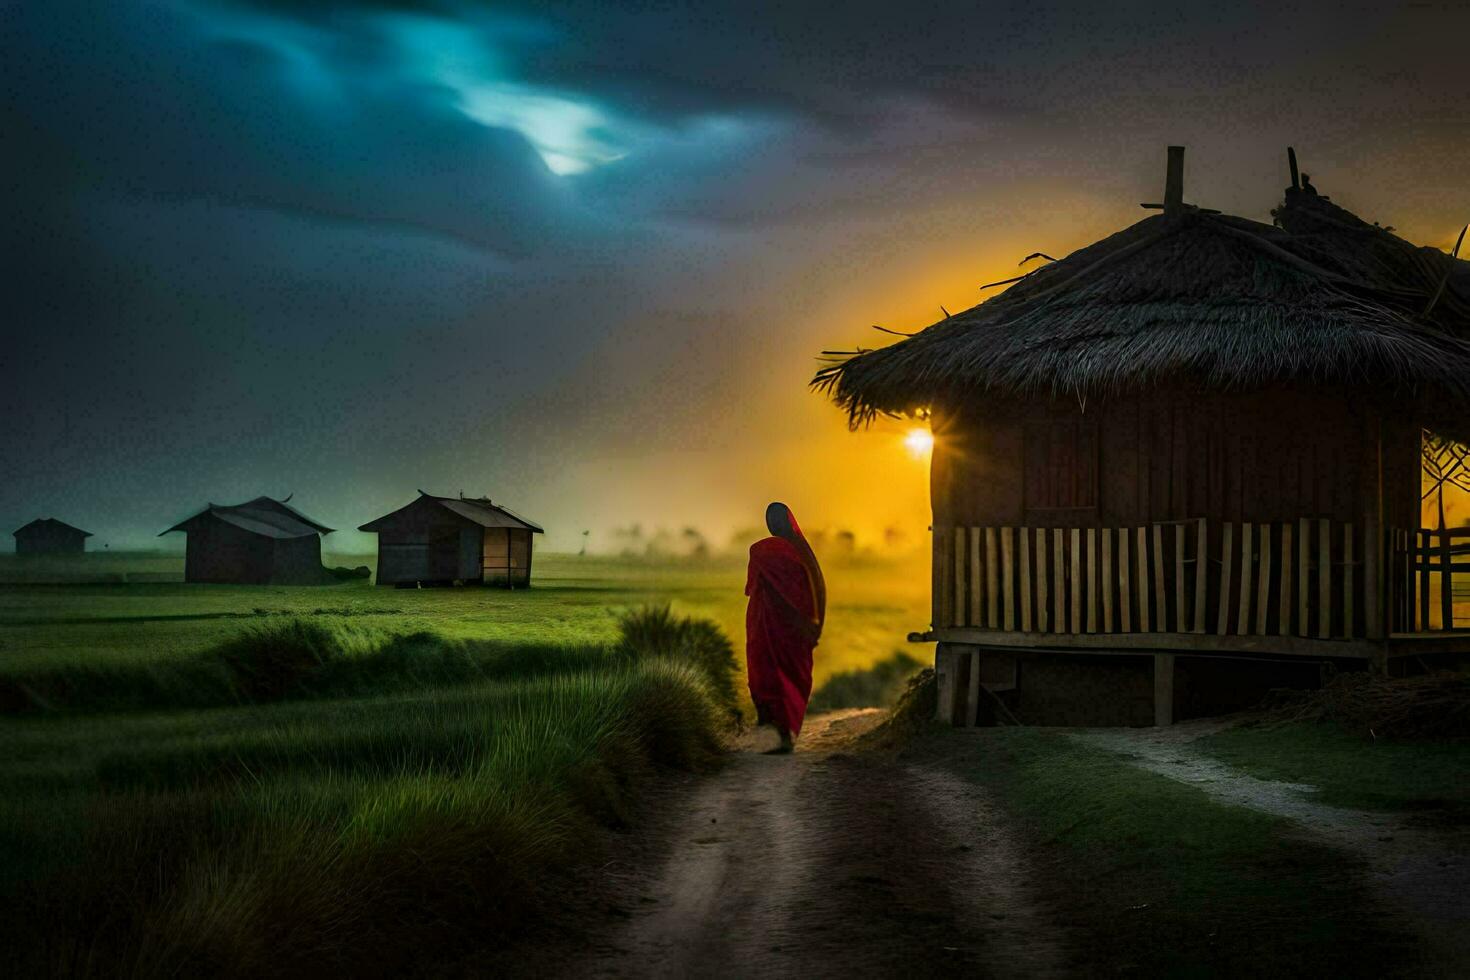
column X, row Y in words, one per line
column 1420, row 868
column 823, row 864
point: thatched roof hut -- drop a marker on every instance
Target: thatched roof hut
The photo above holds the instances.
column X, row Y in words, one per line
column 260, row 542
column 1199, row 435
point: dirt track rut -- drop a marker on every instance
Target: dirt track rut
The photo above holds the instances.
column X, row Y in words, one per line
column 820, row 864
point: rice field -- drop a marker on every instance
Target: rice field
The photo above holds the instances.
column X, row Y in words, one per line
column 267, row 781
column 97, row 618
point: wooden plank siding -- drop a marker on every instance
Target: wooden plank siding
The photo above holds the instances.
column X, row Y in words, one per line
column 1293, row 578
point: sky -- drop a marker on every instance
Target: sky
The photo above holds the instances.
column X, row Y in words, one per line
column 581, row 257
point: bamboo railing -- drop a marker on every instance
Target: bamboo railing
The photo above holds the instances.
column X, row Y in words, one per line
column 1307, row 578
column 1424, row 565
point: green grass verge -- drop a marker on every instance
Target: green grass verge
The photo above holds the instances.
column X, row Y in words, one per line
column 1351, row 770
column 407, row 815
column 1162, row 881
column 361, row 835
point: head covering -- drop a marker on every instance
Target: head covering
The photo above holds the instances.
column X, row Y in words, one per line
column 781, row 522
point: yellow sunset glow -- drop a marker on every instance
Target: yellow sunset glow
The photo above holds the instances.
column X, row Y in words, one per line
column 919, row 442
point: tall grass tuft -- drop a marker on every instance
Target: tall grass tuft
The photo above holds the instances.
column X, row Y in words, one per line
column 654, row 631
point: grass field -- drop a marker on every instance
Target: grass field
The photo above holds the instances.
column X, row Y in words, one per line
column 873, row 605
column 264, row 780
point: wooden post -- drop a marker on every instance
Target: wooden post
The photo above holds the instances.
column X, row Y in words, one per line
column 1161, row 597
column 992, row 610
column 1043, row 584
column 1324, row 578
column 1201, row 576
column 944, row 670
column 1059, row 583
column 1092, row 580
column 1303, row 573
column 1163, row 689
column 1402, row 587
column 1284, row 626
column 972, row 703
column 1410, row 598
column 960, row 662
column 1420, row 566
column 1372, row 599
column 939, row 586
column 1076, row 624
column 1181, row 589
column 1125, row 600
column 1008, row 575
column 1142, row 558
column 1174, row 180
column 977, row 607
column 1446, row 584
column 1227, row 550
column 1243, row 620
column 959, row 576
column 1375, row 599
column 1025, row 556
column 1263, row 580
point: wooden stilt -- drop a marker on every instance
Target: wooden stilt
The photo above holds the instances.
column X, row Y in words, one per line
column 1163, row 689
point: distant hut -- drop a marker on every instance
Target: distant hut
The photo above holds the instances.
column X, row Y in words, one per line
column 260, row 542
column 444, row 540
column 1182, row 465
column 48, row 536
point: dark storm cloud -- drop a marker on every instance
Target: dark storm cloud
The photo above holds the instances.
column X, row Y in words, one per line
column 351, row 247
column 842, row 62
column 147, row 102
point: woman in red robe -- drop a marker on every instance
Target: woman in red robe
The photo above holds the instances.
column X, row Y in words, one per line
column 788, row 605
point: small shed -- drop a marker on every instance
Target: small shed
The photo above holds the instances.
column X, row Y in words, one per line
column 445, row 540
column 260, row 542
column 1182, row 464
column 48, row 536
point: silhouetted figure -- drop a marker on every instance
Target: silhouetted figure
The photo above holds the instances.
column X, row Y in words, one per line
column 783, row 621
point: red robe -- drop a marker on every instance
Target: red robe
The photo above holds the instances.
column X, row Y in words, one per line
column 778, row 652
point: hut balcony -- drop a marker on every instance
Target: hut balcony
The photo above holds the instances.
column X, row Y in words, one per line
column 1309, row 587
column 1294, row 599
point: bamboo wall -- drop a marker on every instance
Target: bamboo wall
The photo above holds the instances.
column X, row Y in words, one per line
column 1305, row 578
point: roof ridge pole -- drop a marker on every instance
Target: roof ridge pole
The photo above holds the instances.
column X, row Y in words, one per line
column 1296, row 180
column 1174, row 180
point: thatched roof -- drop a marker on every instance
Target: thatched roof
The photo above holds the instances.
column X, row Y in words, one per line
column 1336, row 239
column 1190, row 297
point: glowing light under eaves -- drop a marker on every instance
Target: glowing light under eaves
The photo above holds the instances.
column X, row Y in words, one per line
column 919, row 442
